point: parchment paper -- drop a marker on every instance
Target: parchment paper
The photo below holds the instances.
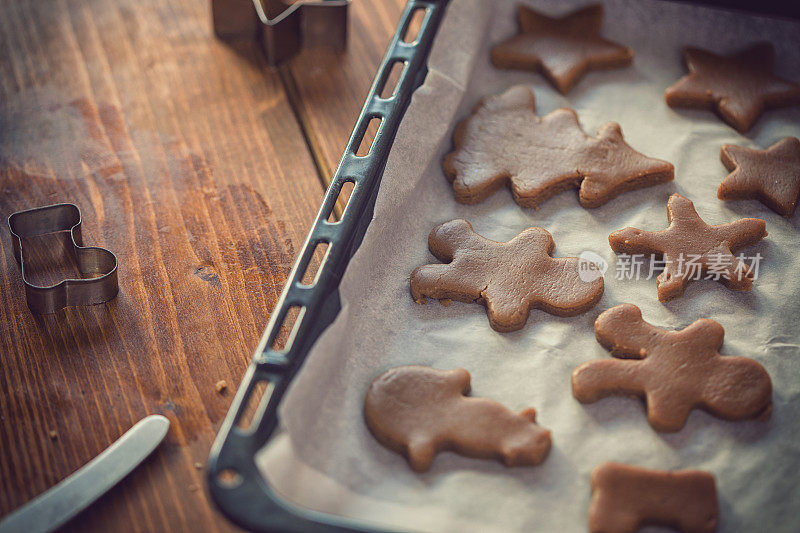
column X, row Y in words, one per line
column 326, row 458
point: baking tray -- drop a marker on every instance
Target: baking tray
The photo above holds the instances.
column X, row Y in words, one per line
column 235, row 483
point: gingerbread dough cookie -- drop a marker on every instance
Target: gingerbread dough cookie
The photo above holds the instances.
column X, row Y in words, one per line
column 675, row 371
column 419, row 411
column 505, row 141
column 738, row 87
column 771, row 176
column 563, row 49
column 510, row 278
column 626, row 498
column 691, row 248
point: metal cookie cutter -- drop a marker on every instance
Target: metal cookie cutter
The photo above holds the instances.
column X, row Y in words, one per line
column 91, row 261
column 282, row 26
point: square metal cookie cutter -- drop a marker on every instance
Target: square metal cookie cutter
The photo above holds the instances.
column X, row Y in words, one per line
column 91, row 260
column 281, row 26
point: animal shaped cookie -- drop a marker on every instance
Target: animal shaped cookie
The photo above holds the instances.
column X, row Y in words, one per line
column 738, row 87
column 674, row 371
column 626, row 498
column 563, row 49
column 506, row 142
column 510, row 278
column 419, row 411
column 690, row 248
column 771, row 176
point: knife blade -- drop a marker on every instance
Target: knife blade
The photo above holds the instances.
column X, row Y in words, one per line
column 51, row 509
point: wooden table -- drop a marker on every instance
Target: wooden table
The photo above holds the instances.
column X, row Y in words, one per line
column 202, row 169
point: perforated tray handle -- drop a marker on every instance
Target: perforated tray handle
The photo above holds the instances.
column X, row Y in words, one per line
column 234, row 481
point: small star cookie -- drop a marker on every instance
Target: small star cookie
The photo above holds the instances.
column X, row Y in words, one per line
column 771, row 176
column 563, row 49
column 738, row 87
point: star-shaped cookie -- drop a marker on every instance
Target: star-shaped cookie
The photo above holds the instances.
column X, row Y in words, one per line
column 690, row 248
column 505, row 141
column 738, row 87
column 563, row 49
column 771, row 176
column 510, row 278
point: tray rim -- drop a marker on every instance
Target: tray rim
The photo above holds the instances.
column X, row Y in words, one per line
column 234, row 481
column 253, row 503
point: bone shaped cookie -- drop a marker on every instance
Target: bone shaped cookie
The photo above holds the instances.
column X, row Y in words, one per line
column 675, row 371
column 505, row 141
column 510, row 277
column 419, row 411
column 689, row 239
column 626, row 498
column 562, row 48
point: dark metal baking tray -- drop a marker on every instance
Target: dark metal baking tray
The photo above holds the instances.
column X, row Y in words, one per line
column 234, row 481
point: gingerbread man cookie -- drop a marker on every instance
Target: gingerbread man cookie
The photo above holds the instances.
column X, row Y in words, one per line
column 674, row 371
column 419, row 411
column 506, row 142
column 771, row 176
column 510, row 278
column 690, row 248
column 626, row 498
column 738, row 87
column 563, row 49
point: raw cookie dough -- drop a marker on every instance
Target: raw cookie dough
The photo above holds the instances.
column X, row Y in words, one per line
column 510, row 278
column 419, row 411
column 689, row 244
column 506, row 142
column 738, row 87
column 626, row 498
column 674, row 371
column 563, row 49
column 771, row 176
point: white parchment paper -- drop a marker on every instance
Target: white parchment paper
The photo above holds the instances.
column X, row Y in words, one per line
column 326, row 459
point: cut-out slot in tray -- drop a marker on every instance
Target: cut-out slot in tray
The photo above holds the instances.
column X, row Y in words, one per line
column 309, row 303
column 310, row 299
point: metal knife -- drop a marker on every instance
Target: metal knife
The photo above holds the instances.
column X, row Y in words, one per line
column 53, row 508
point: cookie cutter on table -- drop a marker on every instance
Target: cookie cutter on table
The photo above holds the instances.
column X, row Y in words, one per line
column 98, row 262
column 282, row 27
column 234, row 480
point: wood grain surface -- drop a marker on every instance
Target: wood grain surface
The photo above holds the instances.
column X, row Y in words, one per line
column 187, row 160
column 328, row 87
